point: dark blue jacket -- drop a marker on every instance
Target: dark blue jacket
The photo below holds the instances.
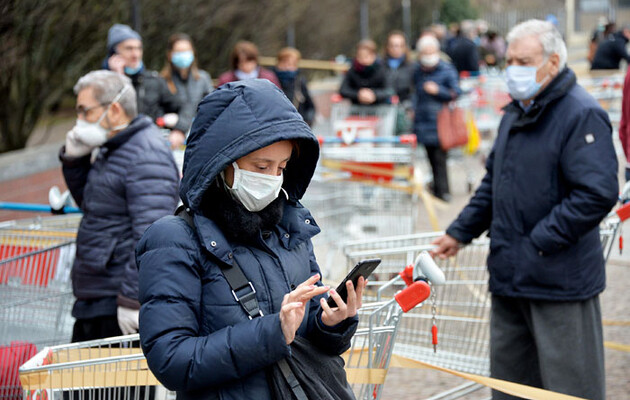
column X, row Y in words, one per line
column 196, row 337
column 551, row 178
column 610, row 52
column 427, row 105
column 464, row 54
column 132, row 183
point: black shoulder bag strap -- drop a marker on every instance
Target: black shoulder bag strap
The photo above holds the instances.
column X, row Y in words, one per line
column 238, row 282
column 242, row 289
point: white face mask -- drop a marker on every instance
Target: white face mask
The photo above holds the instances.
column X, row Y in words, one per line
column 92, row 133
column 521, row 81
column 254, row 190
column 430, row 61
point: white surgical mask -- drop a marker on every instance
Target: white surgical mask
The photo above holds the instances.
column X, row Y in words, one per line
column 521, row 81
column 92, row 133
column 430, row 61
column 254, row 190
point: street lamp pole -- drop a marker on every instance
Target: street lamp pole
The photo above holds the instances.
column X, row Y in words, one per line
column 364, row 19
column 136, row 20
column 406, row 15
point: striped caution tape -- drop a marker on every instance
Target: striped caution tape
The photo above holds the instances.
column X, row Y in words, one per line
column 377, row 376
column 617, row 346
column 511, row 388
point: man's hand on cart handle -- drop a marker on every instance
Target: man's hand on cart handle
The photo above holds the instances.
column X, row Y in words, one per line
column 446, row 246
column 128, row 320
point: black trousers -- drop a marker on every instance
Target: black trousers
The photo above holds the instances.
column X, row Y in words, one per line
column 437, row 159
column 554, row 345
column 95, row 328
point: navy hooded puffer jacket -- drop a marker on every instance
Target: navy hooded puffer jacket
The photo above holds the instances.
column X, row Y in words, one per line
column 196, row 337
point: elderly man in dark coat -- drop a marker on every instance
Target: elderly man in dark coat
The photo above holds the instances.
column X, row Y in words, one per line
column 123, row 177
column 551, row 178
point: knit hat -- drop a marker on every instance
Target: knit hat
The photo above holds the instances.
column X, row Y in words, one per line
column 119, row 33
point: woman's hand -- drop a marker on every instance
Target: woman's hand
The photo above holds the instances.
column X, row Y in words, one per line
column 431, row 87
column 333, row 316
column 294, row 306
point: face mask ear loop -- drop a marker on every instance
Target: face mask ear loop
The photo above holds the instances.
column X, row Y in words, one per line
column 116, row 98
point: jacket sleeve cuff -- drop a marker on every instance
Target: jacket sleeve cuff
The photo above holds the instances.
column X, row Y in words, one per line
column 127, row 302
column 70, row 161
column 459, row 235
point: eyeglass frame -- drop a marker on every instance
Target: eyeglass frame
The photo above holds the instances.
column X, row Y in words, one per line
column 81, row 111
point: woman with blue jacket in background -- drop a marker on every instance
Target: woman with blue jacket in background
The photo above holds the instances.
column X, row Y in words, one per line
column 248, row 161
column 436, row 84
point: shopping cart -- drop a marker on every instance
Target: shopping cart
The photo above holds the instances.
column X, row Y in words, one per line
column 362, row 121
column 115, row 368
column 607, row 89
column 361, row 190
column 460, row 309
column 36, row 256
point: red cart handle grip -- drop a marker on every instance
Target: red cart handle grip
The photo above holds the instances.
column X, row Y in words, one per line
column 413, row 295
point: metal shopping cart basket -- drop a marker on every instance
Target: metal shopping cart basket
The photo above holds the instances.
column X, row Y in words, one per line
column 115, row 368
column 461, row 307
column 35, row 292
column 363, row 189
column 362, row 121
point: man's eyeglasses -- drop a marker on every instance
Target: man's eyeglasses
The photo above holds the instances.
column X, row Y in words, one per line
column 82, row 111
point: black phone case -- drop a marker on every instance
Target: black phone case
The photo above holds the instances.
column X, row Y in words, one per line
column 363, row 268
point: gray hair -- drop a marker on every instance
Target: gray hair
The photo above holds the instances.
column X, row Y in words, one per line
column 546, row 33
column 427, row 40
column 106, row 86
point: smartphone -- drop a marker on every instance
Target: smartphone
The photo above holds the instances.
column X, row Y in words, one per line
column 363, row 268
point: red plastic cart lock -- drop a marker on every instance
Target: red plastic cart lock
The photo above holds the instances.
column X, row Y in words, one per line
column 413, row 295
column 434, row 338
column 407, row 275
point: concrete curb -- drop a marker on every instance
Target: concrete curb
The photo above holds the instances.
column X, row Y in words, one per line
column 28, row 161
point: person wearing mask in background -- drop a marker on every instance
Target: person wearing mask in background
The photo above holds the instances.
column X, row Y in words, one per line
column 186, row 81
column 551, row 178
column 612, row 50
column 123, row 177
column 399, row 73
column 365, row 82
column 463, row 50
column 249, row 161
column 601, row 32
column 398, row 67
column 244, row 65
column 124, row 55
column 435, row 83
column 492, row 49
column 294, row 84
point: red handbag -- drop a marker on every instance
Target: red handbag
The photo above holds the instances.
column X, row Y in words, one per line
column 451, row 127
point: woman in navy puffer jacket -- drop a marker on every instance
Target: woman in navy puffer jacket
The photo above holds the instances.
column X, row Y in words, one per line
column 196, row 337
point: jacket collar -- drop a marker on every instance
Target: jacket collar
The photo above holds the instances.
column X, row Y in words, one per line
column 297, row 226
column 137, row 124
column 556, row 89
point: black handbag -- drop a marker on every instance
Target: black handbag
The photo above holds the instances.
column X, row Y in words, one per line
column 318, row 374
column 308, row 373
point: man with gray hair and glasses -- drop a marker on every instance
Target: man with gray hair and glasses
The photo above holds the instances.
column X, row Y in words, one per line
column 551, row 178
column 122, row 175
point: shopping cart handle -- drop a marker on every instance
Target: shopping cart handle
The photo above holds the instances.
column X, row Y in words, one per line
column 413, row 295
column 623, row 212
column 425, row 267
column 5, row 205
